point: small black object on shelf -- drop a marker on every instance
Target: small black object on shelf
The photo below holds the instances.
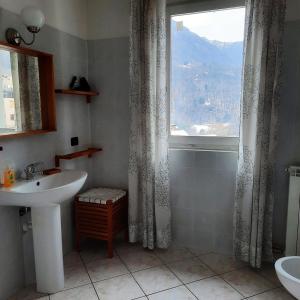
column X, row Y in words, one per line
column 84, row 85
column 79, row 84
column 74, row 84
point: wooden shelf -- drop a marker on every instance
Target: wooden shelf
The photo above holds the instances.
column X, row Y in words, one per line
column 87, row 94
column 87, row 152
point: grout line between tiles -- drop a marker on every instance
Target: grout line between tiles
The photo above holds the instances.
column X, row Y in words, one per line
column 182, row 282
column 246, row 297
column 71, row 288
column 262, row 292
column 219, row 274
column 232, row 287
column 162, row 264
column 88, row 275
column 168, row 289
column 166, row 264
column 131, row 274
column 191, row 292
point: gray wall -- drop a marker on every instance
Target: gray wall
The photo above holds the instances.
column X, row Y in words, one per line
column 202, row 192
column 202, row 182
column 70, row 58
column 109, row 71
column 289, row 130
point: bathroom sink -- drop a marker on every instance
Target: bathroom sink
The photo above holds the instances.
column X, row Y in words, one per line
column 43, row 191
column 44, row 196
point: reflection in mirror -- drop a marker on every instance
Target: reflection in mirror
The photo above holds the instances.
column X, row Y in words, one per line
column 20, row 100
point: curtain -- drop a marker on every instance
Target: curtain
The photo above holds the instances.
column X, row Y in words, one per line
column 259, row 130
column 26, row 83
column 149, row 206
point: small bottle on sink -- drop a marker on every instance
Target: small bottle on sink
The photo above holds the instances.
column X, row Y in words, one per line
column 9, row 176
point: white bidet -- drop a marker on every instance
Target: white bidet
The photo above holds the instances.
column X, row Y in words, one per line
column 288, row 272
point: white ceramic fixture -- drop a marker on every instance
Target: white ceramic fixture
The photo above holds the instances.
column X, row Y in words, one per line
column 32, row 17
column 44, row 196
column 288, row 272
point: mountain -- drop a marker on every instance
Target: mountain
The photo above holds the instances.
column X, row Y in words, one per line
column 206, row 81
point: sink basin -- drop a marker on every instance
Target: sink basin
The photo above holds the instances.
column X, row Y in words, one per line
column 44, row 196
column 43, row 191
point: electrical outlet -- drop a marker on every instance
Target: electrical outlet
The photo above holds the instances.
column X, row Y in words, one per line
column 74, row 141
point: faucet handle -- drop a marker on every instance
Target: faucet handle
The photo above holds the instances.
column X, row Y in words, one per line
column 34, row 169
column 38, row 167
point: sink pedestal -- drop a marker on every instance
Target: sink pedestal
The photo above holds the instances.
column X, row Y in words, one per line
column 44, row 195
column 47, row 242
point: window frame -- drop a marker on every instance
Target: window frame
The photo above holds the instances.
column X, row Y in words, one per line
column 217, row 143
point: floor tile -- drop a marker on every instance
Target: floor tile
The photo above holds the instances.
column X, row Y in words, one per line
column 93, row 250
column 277, row 294
column 200, row 251
column 213, row 288
column 140, row 260
column 29, row 293
column 221, row 263
column 156, row 279
column 118, row 288
column 173, row 254
column 85, row 292
column 106, row 268
column 126, row 247
column 191, row 269
column 178, row 293
column 72, row 259
column 247, row 282
column 76, row 276
column 268, row 272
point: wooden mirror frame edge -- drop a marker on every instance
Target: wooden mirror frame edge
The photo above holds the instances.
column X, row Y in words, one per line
column 47, row 91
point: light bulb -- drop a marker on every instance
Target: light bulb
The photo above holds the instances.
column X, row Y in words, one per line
column 33, row 18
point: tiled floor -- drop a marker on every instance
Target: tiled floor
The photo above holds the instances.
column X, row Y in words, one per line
column 176, row 274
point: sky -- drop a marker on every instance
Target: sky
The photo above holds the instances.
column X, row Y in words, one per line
column 222, row 25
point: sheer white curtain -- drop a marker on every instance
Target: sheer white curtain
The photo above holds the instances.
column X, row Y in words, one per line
column 149, row 207
column 258, row 135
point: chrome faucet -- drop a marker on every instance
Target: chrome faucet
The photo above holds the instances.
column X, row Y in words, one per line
column 33, row 170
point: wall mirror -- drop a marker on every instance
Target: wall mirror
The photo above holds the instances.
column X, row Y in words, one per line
column 27, row 99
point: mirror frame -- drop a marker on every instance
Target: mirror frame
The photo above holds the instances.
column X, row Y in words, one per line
column 47, row 90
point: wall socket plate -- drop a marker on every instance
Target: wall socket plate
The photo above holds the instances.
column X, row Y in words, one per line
column 74, row 141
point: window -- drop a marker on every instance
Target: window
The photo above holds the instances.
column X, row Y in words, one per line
column 206, row 59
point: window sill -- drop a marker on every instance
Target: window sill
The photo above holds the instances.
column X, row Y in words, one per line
column 191, row 147
column 224, row 144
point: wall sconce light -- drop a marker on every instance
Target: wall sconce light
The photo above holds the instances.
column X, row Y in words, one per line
column 34, row 19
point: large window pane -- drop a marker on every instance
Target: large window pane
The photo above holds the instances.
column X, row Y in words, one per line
column 206, row 68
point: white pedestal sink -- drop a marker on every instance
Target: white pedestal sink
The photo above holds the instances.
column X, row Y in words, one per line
column 44, row 196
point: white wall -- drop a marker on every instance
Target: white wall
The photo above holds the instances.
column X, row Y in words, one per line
column 108, row 18
column 98, row 19
column 293, row 10
column 70, row 58
column 69, row 16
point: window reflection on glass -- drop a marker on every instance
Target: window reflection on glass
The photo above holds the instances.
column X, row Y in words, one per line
column 20, row 103
column 206, row 72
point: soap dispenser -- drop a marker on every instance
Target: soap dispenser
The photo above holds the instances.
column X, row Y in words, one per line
column 1, row 166
column 9, row 177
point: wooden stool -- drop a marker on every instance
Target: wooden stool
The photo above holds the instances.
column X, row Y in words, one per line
column 101, row 213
